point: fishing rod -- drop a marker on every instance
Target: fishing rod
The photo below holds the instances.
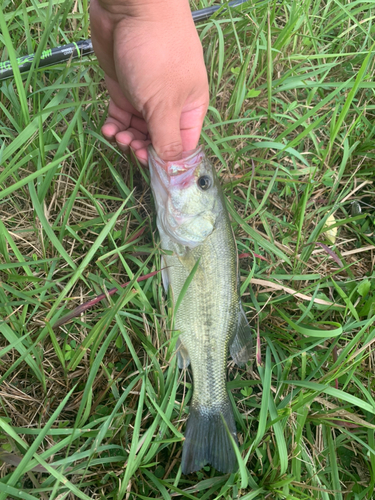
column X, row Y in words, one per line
column 83, row 48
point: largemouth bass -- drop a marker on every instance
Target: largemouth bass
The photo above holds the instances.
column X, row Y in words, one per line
column 193, row 223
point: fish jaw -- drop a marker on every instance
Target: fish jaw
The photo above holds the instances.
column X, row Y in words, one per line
column 178, row 173
column 189, row 160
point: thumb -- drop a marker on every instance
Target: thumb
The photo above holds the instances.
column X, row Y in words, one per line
column 165, row 133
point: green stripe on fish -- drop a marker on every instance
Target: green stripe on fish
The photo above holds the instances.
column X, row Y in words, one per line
column 194, row 227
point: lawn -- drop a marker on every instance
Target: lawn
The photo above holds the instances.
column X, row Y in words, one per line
column 96, row 407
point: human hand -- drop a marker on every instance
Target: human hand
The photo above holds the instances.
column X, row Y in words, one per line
column 155, row 74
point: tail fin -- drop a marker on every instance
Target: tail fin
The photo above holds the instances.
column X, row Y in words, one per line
column 207, row 440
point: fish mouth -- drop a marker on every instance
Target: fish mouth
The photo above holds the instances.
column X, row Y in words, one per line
column 176, row 173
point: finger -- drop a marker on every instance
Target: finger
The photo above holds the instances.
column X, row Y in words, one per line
column 140, row 150
column 125, row 138
column 191, row 127
column 139, row 124
column 116, row 121
column 119, row 121
column 164, row 129
column 133, row 134
column 142, row 156
column 119, row 104
column 110, row 128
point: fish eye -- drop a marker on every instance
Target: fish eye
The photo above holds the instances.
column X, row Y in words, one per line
column 204, row 182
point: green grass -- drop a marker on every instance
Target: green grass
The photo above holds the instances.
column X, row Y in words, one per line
column 96, row 408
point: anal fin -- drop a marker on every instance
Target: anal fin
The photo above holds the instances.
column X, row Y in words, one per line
column 183, row 358
column 241, row 348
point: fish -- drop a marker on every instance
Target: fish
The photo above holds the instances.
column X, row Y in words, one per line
column 196, row 235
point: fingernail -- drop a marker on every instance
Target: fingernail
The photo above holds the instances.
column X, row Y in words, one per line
column 124, row 147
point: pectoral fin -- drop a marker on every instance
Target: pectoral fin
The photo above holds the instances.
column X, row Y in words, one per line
column 183, row 359
column 241, row 348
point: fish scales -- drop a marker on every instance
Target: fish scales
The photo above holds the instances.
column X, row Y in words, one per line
column 207, row 315
column 193, row 223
